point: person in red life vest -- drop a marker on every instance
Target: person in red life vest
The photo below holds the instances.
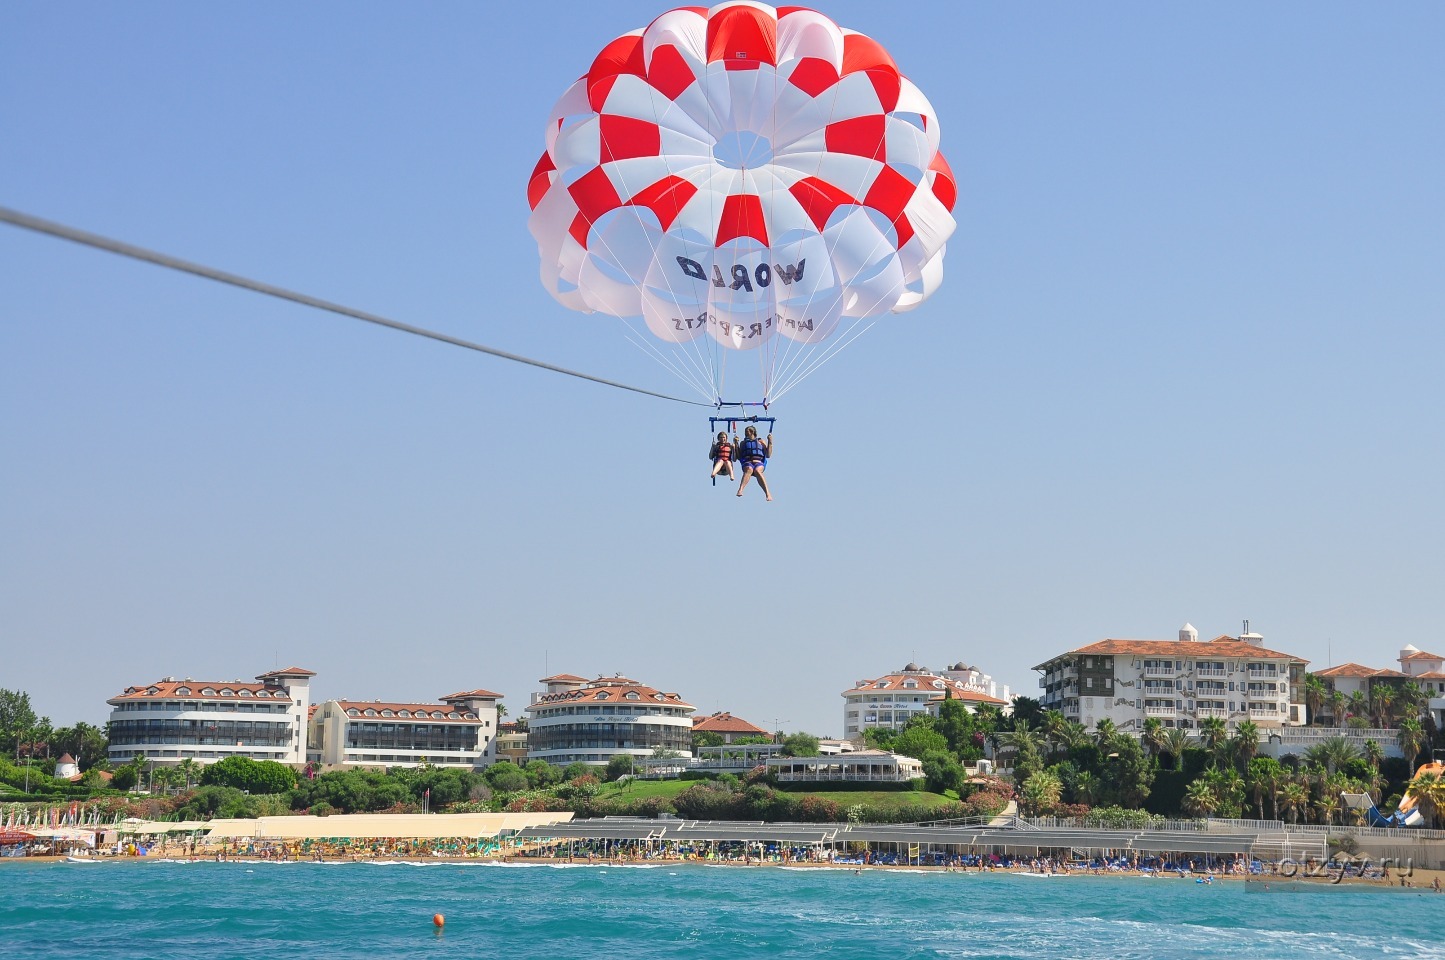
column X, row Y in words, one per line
column 753, row 454
column 721, row 455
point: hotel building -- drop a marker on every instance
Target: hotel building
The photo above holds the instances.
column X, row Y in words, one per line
column 208, row 720
column 890, row 701
column 591, row 721
column 1427, row 670
column 1180, row 682
column 459, row 731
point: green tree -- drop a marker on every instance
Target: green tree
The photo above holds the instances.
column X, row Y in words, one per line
column 942, row 771
column 506, row 777
column 1027, row 710
column 17, row 719
column 1127, row 774
column 706, row 738
column 917, row 740
column 619, row 766
column 253, row 776
column 125, row 777
column 800, row 745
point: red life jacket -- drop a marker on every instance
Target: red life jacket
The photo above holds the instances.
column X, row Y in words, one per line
column 724, row 452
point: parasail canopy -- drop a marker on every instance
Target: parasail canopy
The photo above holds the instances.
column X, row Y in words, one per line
column 742, row 178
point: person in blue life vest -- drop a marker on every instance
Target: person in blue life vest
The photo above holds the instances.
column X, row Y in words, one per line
column 721, row 455
column 753, row 454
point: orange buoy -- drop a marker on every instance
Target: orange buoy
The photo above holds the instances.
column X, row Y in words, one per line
column 438, row 920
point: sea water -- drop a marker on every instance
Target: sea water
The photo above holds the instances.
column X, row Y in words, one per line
column 162, row 910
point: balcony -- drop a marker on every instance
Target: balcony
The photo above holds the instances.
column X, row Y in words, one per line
column 1044, row 682
column 1256, row 673
column 1217, row 672
column 1160, row 711
column 1203, row 712
column 1168, row 671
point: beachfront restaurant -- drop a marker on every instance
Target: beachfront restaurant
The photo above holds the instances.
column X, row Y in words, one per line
column 861, row 766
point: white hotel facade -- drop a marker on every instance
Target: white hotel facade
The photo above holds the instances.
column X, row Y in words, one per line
column 890, row 701
column 173, row 720
column 574, row 720
column 1179, row 682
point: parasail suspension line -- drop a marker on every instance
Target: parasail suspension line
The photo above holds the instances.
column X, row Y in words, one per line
column 36, row 224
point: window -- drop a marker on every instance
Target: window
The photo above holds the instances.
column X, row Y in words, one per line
column 183, row 691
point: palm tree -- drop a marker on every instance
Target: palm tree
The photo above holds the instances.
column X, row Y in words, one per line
column 1199, row 799
column 1294, row 798
column 1074, row 734
column 1374, row 753
column 1176, row 741
column 1382, row 703
column 1410, row 700
column 1428, row 789
column 1022, row 738
column 1339, row 703
column 1105, row 732
column 1359, row 704
column 1153, row 735
column 1315, row 696
column 190, row 770
column 1246, row 741
column 1328, row 805
column 1040, row 793
column 1054, row 725
column 1086, row 787
column 1412, row 740
column 1213, row 732
column 1332, row 753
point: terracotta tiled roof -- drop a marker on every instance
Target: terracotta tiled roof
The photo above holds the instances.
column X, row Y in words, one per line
column 611, row 690
column 1432, row 675
column 288, row 672
column 1225, row 646
column 1352, row 671
column 1422, row 655
column 423, row 712
column 567, row 677
column 167, row 690
column 926, row 683
column 726, row 723
column 473, row 694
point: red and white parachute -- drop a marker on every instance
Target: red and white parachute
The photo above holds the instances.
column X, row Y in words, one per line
column 742, row 178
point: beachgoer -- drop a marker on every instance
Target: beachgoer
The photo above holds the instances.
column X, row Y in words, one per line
column 721, row 455
column 754, row 454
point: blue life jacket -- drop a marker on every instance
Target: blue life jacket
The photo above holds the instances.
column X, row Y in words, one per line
column 752, row 449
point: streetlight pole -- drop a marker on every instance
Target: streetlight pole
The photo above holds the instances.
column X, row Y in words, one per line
column 778, row 729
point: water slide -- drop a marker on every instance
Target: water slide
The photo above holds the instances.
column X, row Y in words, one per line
column 1405, row 816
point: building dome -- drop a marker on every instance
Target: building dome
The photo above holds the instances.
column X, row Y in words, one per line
column 912, row 668
column 1188, row 634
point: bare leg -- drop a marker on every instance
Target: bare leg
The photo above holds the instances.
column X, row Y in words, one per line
column 762, row 482
column 731, row 475
column 747, row 472
column 716, row 466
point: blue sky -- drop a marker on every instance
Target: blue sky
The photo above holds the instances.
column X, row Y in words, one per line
column 1183, row 365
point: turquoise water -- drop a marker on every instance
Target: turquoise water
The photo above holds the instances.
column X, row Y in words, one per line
column 318, row 911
